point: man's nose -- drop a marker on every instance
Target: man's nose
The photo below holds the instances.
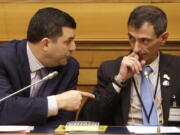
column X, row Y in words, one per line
column 73, row 46
column 137, row 47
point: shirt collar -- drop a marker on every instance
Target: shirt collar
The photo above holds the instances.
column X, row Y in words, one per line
column 33, row 61
column 155, row 64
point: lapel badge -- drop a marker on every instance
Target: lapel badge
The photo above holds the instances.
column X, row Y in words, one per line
column 165, row 76
column 166, row 80
column 166, row 83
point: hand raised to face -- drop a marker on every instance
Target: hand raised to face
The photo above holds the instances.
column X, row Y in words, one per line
column 130, row 65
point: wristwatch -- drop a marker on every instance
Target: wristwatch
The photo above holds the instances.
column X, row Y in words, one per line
column 119, row 84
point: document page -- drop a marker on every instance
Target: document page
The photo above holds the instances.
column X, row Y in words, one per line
column 152, row 129
column 12, row 128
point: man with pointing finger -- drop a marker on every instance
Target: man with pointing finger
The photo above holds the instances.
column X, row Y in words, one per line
column 137, row 89
column 48, row 47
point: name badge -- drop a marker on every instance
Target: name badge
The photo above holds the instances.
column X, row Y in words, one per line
column 174, row 114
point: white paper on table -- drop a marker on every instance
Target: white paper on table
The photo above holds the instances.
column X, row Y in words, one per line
column 152, row 129
column 12, row 128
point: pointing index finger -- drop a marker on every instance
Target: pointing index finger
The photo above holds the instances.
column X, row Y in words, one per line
column 87, row 94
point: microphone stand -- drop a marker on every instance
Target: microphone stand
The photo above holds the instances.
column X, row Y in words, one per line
column 158, row 126
column 158, row 130
column 49, row 76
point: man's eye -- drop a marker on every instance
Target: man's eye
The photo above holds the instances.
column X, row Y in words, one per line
column 145, row 41
column 67, row 42
column 131, row 38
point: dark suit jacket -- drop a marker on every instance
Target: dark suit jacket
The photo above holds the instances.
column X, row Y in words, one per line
column 112, row 108
column 15, row 74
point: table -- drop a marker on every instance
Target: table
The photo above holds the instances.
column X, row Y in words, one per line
column 115, row 130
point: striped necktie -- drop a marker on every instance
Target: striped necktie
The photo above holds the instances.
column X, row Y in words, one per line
column 38, row 76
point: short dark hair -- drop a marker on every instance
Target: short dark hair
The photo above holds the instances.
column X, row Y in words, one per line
column 48, row 22
column 150, row 14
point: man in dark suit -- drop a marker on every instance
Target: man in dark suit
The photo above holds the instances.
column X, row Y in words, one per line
column 118, row 92
column 50, row 42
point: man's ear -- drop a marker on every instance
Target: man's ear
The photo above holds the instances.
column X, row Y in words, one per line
column 164, row 38
column 45, row 44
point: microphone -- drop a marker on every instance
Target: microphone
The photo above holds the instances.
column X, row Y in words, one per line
column 48, row 77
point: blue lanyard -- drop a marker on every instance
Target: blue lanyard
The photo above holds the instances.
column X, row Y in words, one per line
column 140, row 99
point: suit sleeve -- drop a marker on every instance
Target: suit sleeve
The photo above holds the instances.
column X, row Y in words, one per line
column 100, row 109
column 19, row 109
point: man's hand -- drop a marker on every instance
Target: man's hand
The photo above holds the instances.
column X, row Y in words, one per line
column 130, row 65
column 71, row 100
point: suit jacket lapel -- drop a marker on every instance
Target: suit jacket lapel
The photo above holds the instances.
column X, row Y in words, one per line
column 165, row 90
column 23, row 67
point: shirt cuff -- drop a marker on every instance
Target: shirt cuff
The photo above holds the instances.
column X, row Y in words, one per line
column 52, row 106
column 117, row 88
